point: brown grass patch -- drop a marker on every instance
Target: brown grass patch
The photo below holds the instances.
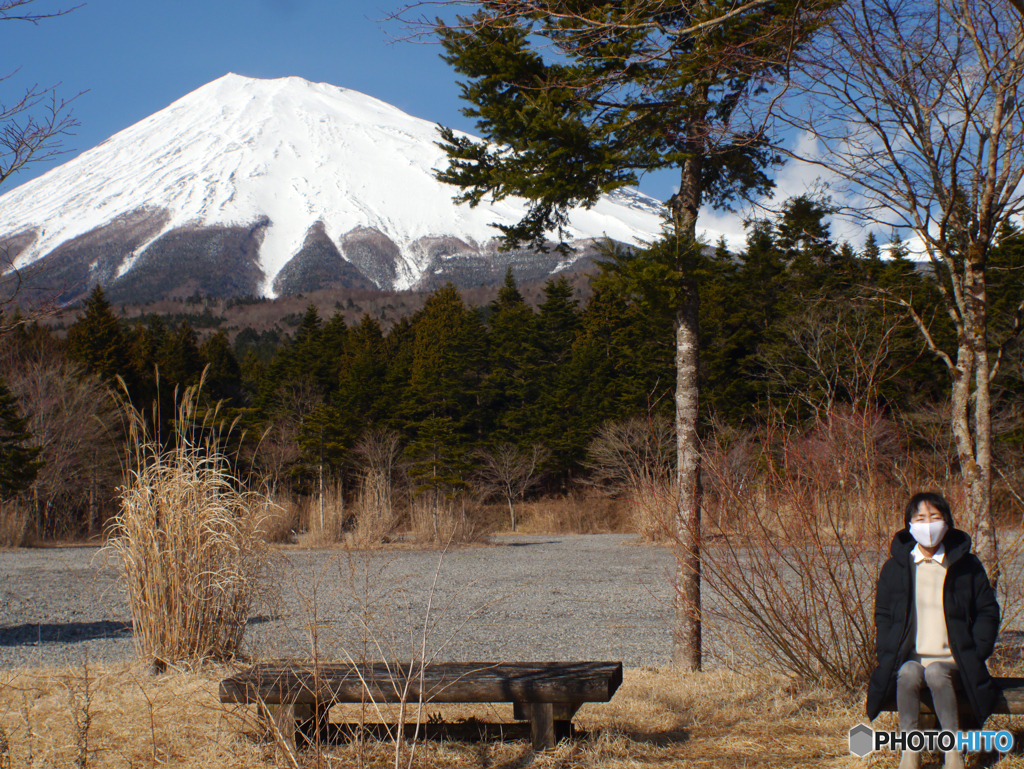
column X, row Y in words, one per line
column 658, row 718
column 574, row 513
column 13, row 523
column 187, row 539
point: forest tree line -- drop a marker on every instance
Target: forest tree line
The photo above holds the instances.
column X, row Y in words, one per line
column 793, row 328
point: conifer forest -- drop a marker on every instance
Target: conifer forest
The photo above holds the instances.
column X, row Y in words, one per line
column 506, row 401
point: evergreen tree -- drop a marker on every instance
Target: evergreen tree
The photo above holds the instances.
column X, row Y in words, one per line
column 18, row 465
column 362, row 400
column 511, row 390
column 97, row 341
column 804, row 238
column 629, row 88
column 223, row 374
column 181, row 363
column 438, row 401
column 872, row 252
column 558, row 322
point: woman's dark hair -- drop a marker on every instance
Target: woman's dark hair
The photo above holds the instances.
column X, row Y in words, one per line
column 935, row 500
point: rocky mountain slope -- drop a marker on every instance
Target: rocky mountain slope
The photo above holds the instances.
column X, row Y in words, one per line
column 273, row 187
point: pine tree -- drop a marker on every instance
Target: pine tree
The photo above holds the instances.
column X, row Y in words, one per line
column 563, row 127
column 97, row 341
column 18, row 465
column 511, row 389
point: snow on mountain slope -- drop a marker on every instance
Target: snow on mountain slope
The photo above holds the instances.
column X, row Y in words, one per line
column 286, row 153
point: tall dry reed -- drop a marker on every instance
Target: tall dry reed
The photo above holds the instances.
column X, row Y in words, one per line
column 187, row 538
column 14, row 520
column 376, row 511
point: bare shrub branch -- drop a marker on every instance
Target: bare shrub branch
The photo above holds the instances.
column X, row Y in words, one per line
column 508, row 473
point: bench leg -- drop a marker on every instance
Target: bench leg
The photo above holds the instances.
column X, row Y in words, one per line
column 549, row 722
column 542, row 725
column 311, row 724
column 283, row 720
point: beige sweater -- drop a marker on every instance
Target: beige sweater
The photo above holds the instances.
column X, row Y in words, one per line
column 932, row 641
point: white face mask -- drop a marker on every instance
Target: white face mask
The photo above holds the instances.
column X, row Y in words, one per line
column 928, row 534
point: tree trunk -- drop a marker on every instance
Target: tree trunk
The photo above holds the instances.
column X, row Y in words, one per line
column 686, row 640
column 977, row 472
column 92, row 494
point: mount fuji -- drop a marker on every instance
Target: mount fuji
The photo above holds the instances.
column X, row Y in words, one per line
column 273, row 187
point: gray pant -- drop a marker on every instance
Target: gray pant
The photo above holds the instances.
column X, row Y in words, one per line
column 939, row 676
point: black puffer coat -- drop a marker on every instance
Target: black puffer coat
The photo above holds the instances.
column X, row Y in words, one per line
column 972, row 621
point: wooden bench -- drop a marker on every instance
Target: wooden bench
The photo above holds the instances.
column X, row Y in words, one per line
column 547, row 694
column 1010, row 700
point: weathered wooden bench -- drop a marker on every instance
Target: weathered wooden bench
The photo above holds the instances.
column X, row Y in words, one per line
column 547, row 694
column 1009, row 701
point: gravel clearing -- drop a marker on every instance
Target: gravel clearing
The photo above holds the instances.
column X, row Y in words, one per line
column 523, row 598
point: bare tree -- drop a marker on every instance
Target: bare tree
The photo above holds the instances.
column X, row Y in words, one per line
column 379, row 451
column 917, row 110
column 636, row 458
column 74, row 422
column 509, row 473
column 838, row 352
column 33, row 125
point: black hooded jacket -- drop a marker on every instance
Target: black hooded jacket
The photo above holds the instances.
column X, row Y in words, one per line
column 972, row 621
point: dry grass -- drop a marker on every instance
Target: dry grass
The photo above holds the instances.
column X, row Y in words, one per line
column 14, row 520
column 187, row 540
column 718, row 719
column 278, row 521
column 323, row 517
column 575, row 513
column 375, row 516
column 435, row 519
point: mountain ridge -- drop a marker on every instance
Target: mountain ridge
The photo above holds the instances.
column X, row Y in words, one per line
column 223, row 190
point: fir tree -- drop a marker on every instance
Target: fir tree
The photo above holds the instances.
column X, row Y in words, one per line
column 18, row 465
column 97, row 341
column 511, row 389
column 437, row 401
column 562, row 129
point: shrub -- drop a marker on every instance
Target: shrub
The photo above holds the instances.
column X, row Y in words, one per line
column 793, row 546
column 635, row 458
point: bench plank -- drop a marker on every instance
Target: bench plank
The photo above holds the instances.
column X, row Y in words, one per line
column 1009, row 700
column 533, row 682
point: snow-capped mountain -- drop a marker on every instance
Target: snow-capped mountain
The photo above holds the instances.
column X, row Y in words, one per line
column 272, row 187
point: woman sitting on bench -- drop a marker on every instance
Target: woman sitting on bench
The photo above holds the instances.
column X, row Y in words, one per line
column 936, row 620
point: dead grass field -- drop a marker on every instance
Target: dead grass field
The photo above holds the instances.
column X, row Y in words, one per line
column 127, row 719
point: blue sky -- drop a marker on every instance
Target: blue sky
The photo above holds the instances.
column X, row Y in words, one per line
column 134, row 57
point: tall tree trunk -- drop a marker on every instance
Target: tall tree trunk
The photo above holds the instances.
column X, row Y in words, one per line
column 92, row 493
column 686, row 646
column 976, row 470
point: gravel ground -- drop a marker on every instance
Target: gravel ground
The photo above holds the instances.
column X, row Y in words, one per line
column 525, row 597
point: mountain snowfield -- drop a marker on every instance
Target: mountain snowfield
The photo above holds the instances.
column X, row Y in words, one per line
column 288, row 159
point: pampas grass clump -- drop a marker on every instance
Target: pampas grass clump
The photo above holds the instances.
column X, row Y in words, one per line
column 187, row 539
